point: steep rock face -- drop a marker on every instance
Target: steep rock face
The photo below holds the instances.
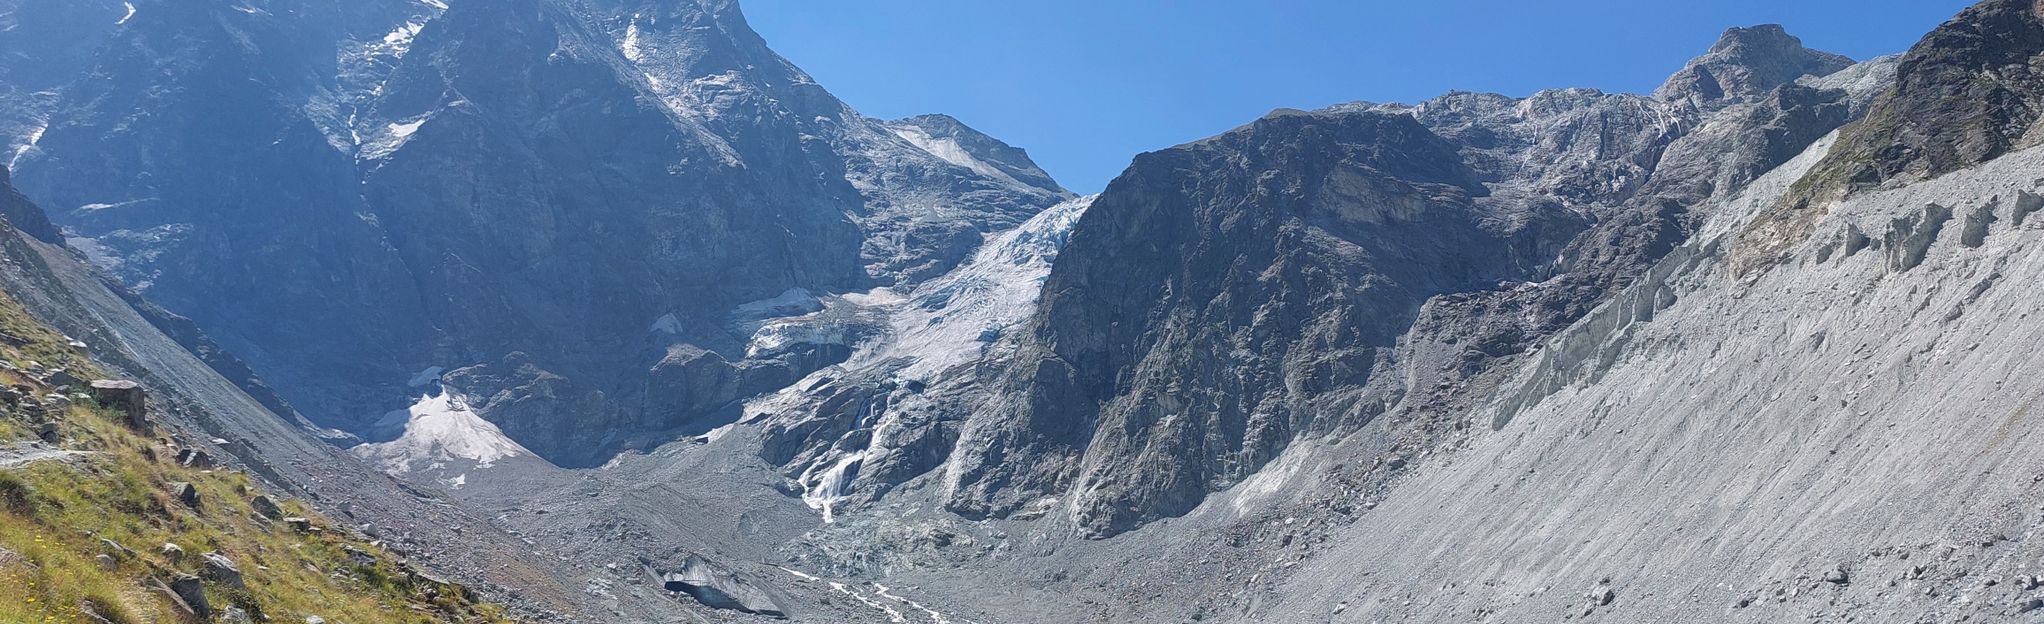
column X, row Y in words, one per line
column 24, row 215
column 347, row 193
column 1154, row 351
column 1970, row 91
column 1223, row 300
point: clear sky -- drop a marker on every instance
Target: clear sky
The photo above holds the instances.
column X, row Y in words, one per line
column 1086, row 84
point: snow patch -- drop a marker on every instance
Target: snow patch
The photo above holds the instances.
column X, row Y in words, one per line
column 630, row 44
column 950, row 151
column 393, row 137
column 28, row 144
column 439, row 430
column 666, row 324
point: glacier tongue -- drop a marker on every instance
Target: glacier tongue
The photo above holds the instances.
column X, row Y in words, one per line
column 962, row 317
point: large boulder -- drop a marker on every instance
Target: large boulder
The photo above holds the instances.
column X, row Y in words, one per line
column 219, row 569
column 266, row 506
column 188, row 592
column 186, row 493
column 126, row 396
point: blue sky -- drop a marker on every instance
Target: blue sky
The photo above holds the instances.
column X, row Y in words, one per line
column 1086, row 84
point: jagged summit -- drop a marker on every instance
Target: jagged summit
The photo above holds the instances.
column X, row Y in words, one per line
column 1747, row 62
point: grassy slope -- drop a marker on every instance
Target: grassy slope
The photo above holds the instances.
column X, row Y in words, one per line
column 54, row 514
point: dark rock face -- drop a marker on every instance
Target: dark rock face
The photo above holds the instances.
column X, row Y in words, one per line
column 344, row 193
column 24, row 215
column 1970, row 91
column 1312, row 273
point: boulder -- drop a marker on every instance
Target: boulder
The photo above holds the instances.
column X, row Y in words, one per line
column 173, row 552
column 63, row 378
column 125, row 396
column 194, row 458
column 186, row 493
column 267, row 507
column 718, row 588
column 219, row 569
column 48, row 432
column 190, row 593
column 115, row 549
column 301, row 525
column 360, row 557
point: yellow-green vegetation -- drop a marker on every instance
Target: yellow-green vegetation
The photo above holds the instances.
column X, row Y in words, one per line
column 1792, row 217
column 55, row 514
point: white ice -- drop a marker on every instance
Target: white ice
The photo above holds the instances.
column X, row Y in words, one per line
column 438, row 430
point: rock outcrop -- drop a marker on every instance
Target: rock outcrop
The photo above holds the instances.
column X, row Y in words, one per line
column 1311, row 273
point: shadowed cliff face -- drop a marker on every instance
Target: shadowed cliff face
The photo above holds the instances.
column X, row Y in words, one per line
column 350, row 192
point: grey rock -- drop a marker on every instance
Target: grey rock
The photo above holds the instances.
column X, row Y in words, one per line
column 235, row 615
column 218, row 568
column 63, row 378
column 194, row 458
column 125, row 396
column 115, row 549
column 173, row 552
column 266, row 507
column 190, row 593
column 186, row 493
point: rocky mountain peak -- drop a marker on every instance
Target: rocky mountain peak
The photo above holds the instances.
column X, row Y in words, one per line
column 950, row 139
column 1747, row 62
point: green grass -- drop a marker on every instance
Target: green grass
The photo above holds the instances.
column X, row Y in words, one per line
column 53, row 516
